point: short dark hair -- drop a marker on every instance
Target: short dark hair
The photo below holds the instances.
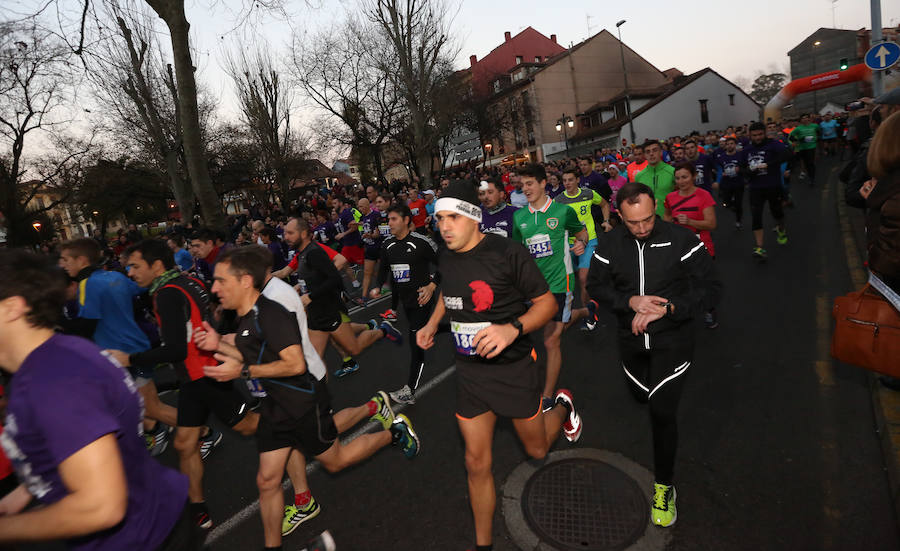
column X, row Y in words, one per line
column 252, row 260
column 268, row 232
column 84, row 246
column 533, row 170
column 491, row 181
column 757, row 126
column 686, row 165
column 638, row 146
column 402, row 210
column 205, row 235
column 152, row 250
column 176, row 238
column 648, row 143
column 36, row 279
column 631, row 193
column 571, row 170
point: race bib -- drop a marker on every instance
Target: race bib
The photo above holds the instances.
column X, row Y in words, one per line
column 384, row 230
column 415, row 212
column 731, row 171
column 303, row 288
column 498, row 231
column 539, row 245
column 809, row 139
column 400, row 273
column 464, row 333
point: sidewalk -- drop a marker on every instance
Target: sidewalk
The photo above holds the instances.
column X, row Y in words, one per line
column 885, row 402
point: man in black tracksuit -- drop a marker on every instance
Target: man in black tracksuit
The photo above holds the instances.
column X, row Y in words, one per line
column 655, row 276
column 409, row 257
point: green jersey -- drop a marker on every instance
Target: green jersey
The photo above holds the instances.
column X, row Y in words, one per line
column 661, row 179
column 581, row 203
column 805, row 136
column 545, row 232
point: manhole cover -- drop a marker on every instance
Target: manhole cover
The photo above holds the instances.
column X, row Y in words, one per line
column 584, row 504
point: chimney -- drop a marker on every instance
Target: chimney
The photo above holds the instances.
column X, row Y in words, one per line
column 473, row 59
column 507, row 36
column 553, row 38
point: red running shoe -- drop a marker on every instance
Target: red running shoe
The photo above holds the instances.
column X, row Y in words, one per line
column 389, row 315
column 572, row 427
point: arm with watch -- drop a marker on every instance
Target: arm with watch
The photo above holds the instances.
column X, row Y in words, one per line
column 492, row 340
column 291, row 360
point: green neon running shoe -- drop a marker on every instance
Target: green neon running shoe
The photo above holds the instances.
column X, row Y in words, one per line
column 663, row 512
column 405, row 437
column 295, row 516
column 782, row 236
column 760, row 254
column 384, row 415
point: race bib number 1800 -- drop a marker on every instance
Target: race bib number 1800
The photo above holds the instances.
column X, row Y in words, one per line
column 539, row 245
column 464, row 334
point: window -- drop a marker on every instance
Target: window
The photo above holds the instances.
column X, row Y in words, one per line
column 730, row 99
column 537, row 59
column 704, row 112
column 497, row 85
column 585, row 122
column 518, row 60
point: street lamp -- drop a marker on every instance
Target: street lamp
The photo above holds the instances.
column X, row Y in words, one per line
column 625, row 77
column 561, row 125
column 37, row 226
column 815, row 71
column 487, row 153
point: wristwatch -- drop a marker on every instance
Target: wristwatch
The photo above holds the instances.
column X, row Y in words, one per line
column 518, row 325
column 245, row 371
column 670, row 308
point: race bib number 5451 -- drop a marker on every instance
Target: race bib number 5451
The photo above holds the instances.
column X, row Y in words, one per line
column 464, row 334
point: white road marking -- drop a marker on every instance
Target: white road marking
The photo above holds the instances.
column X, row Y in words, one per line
column 251, row 510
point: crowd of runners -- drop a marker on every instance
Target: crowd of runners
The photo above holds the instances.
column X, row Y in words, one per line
column 503, row 259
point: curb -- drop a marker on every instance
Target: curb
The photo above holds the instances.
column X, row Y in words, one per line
column 885, row 402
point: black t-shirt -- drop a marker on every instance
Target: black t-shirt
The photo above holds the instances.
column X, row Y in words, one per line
column 489, row 284
column 266, row 330
column 322, row 281
column 408, row 261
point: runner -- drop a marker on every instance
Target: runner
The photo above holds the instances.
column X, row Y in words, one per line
column 703, row 164
column 654, row 275
column 830, row 127
column 658, row 176
column 554, row 186
column 73, row 432
column 638, row 162
column 486, row 283
column 581, row 200
column 181, row 305
column 496, row 213
column 349, row 235
column 320, row 286
column 409, row 256
column 804, row 138
column 762, row 159
column 106, row 316
column 371, row 221
column 695, row 209
column 731, row 181
column 592, row 180
column 296, row 413
column 616, row 181
column 544, row 227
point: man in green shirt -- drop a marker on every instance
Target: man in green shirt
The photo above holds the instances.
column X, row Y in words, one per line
column 580, row 200
column 805, row 139
column 658, row 176
column 544, row 227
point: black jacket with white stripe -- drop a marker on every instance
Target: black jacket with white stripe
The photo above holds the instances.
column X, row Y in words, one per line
column 407, row 263
column 670, row 263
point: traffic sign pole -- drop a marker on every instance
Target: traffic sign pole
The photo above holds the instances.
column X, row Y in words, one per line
column 877, row 81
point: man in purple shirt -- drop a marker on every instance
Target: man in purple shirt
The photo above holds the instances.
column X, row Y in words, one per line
column 349, row 236
column 590, row 179
column 496, row 213
column 74, row 432
column 704, row 165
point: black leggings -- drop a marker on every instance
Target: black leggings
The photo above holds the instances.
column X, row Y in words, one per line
column 657, row 377
column 734, row 198
column 758, row 199
column 417, row 317
column 808, row 156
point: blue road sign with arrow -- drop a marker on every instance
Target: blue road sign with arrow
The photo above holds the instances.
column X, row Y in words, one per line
column 883, row 55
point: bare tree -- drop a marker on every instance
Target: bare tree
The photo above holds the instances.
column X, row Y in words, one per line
column 138, row 91
column 34, row 74
column 266, row 100
column 338, row 70
column 418, row 34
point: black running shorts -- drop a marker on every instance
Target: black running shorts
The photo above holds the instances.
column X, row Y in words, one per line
column 197, row 399
column 313, row 434
column 509, row 390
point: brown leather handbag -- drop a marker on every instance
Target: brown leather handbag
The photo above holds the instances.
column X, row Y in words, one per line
column 867, row 331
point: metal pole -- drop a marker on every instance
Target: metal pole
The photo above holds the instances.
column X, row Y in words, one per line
column 625, row 76
column 877, row 82
column 565, row 133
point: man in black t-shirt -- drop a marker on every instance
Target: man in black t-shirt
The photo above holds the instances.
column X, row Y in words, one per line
column 486, row 281
column 296, row 411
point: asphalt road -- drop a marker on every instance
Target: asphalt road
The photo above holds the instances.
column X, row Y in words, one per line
column 777, row 450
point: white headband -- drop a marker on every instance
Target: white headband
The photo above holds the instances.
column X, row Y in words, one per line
column 459, row 207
